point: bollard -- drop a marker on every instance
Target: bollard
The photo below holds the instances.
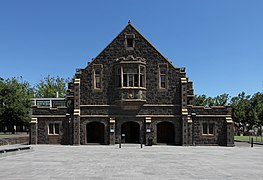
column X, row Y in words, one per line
column 141, row 144
column 120, row 143
column 251, row 142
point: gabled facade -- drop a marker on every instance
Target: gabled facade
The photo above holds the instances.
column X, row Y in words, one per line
column 131, row 93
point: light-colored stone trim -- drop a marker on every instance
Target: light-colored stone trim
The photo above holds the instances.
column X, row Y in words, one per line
column 184, row 111
column 94, row 115
column 145, row 105
column 210, row 115
column 33, row 120
column 76, row 112
column 76, row 81
column 50, row 116
column 229, row 120
column 168, row 116
column 159, row 105
column 112, row 120
column 157, row 115
column 148, row 119
column 94, row 105
column 183, row 80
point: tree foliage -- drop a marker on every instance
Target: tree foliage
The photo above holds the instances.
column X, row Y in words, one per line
column 50, row 86
column 15, row 102
column 203, row 100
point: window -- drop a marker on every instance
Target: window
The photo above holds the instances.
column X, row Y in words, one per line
column 163, row 76
column 57, row 103
column 97, row 75
column 53, row 129
column 130, row 72
column 129, row 41
column 208, row 128
column 130, row 75
column 43, row 103
column 142, row 76
column 118, row 76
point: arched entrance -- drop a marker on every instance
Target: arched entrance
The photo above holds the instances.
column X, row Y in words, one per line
column 95, row 132
column 165, row 133
column 131, row 131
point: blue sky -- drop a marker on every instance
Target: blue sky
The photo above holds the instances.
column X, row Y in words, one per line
column 220, row 42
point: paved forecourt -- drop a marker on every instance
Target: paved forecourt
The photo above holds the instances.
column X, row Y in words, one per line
column 131, row 162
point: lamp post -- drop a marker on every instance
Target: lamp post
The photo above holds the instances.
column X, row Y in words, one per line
column 193, row 128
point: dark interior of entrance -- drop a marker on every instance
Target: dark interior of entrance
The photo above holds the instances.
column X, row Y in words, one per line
column 131, row 130
column 95, row 132
column 165, row 133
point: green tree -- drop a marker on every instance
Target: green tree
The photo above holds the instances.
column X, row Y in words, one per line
column 256, row 109
column 15, row 102
column 221, row 100
column 240, row 109
column 200, row 100
column 50, row 86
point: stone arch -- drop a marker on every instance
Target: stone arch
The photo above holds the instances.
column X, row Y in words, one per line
column 165, row 132
column 95, row 132
column 132, row 131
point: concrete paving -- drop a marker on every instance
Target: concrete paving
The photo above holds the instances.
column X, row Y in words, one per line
column 131, row 162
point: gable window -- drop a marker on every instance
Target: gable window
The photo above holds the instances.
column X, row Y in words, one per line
column 129, row 41
column 208, row 128
column 53, row 129
column 97, row 76
column 162, row 76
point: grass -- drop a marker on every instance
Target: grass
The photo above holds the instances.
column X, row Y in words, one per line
column 247, row 138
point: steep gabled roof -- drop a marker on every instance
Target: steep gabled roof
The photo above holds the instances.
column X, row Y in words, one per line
column 131, row 26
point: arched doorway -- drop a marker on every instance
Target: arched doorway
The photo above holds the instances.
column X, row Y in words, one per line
column 95, row 132
column 165, row 133
column 131, row 131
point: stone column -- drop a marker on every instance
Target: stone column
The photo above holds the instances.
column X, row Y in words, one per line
column 185, row 126
column 33, row 131
column 230, row 131
column 76, row 127
column 184, row 111
column 112, row 131
column 149, row 131
column 190, row 130
column 76, row 122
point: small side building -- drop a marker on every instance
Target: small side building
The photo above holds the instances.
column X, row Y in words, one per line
column 131, row 93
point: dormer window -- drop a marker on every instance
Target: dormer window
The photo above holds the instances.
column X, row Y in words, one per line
column 129, row 41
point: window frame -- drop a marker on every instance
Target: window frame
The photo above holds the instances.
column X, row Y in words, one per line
column 53, row 128
column 129, row 38
column 97, row 76
column 162, row 76
column 131, row 76
column 209, row 130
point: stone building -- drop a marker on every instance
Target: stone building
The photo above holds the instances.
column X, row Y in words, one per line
column 131, row 93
